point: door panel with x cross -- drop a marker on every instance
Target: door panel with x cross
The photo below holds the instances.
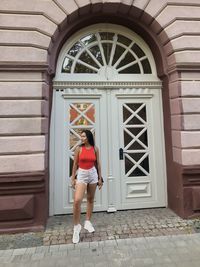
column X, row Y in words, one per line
column 136, row 152
column 73, row 113
column 83, row 114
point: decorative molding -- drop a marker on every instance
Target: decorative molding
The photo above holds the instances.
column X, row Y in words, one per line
column 81, row 92
column 184, row 67
column 191, row 169
column 91, row 96
column 191, row 176
column 23, row 66
column 20, row 183
column 107, row 85
column 137, row 92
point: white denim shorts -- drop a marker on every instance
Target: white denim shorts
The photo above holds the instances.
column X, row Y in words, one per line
column 89, row 176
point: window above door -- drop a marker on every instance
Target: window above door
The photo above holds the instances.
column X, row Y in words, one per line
column 105, row 52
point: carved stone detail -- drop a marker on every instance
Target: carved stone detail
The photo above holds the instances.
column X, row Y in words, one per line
column 107, row 85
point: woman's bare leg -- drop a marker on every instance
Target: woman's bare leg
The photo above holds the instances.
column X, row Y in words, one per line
column 91, row 188
column 78, row 197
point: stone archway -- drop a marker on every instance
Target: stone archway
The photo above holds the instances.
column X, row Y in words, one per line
column 106, row 14
column 138, row 20
column 108, row 63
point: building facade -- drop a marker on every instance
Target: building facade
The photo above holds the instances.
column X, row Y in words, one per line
column 128, row 70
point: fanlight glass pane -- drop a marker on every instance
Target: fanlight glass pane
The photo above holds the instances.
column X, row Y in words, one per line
column 89, row 39
column 79, row 68
column 95, row 50
column 107, row 51
column 138, row 51
column 87, row 59
column 75, row 49
column 132, row 69
column 146, row 66
column 67, row 65
column 124, row 40
column 127, row 59
column 118, row 52
column 106, row 35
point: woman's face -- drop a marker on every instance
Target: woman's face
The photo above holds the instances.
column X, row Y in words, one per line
column 84, row 139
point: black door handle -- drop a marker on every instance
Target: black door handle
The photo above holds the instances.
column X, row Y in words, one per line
column 121, row 154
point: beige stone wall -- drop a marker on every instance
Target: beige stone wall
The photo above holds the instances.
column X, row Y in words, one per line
column 27, row 27
column 23, row 116
column 185, row 110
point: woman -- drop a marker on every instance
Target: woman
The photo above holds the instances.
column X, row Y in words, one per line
column 85, row 159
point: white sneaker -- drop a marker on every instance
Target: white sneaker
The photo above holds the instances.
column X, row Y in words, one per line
column 88, row 226
column 77, row 229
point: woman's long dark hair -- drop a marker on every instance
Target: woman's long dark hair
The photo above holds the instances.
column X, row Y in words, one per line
column 89, row 136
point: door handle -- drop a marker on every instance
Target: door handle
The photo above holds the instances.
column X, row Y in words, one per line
column 121, row 153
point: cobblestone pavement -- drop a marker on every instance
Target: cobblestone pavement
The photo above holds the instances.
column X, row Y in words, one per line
column 165, row 251
column 109, row 226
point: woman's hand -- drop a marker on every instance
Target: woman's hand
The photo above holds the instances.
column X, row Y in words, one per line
column 100, row 183
column 73, row 182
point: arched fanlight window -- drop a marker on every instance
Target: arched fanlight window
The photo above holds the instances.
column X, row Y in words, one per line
column 105, row 51
column 93, row 52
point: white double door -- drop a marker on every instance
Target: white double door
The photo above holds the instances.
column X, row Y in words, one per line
column 128, row 129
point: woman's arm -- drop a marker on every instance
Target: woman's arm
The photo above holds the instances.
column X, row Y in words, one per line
column 100, row 182
column 75, row 165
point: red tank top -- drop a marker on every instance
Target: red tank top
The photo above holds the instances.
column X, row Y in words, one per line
column 87, row 158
